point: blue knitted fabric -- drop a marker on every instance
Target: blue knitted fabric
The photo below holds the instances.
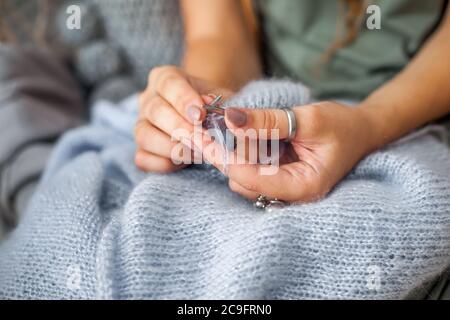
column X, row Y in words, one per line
column 99, row 228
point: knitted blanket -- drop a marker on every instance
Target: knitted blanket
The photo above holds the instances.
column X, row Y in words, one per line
column 99, row 228
column 39, row 100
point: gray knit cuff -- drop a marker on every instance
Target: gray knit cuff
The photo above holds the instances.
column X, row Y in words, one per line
column 270, row 94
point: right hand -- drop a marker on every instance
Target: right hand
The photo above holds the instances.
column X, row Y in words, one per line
column 172, row 101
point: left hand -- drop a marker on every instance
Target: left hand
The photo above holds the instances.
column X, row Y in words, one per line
column 331, row 138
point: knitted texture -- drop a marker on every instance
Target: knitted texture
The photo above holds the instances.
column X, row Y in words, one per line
column 97, row 62
column 39, row 100
column 150, row 32
column 114, row 89
column 100, row 228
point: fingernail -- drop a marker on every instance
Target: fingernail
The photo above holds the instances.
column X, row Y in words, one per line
column 194, row 113
column 236, row 116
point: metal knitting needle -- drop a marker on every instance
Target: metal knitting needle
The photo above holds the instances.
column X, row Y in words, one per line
column 213, row 106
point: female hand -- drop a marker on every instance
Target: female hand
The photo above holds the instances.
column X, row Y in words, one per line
column 168, row 109
column 330, row 140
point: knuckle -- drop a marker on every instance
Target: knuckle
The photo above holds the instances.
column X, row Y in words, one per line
column 166, row 80
column 141, row 100
column 153, row 110
column 138, row 128
column 316, row 191
column 139, row 138
column 153, row 75
column 181, row 98
column 270, row 121
column 166, row 166
column 141, row 133
column 159, row 72
column 250, row 185
column 143, row 103
column 313, row 112
column 313, row 117
column 139, row 161
column 315, row 195
column 233, row 186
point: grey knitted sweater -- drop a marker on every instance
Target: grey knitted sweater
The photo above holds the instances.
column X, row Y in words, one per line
column 99, row 228
column 39, row 100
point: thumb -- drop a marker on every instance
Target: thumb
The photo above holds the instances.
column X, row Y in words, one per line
column 273, row 120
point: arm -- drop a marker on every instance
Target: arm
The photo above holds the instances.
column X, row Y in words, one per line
column 219, row 44
column 418, row 95
column 219, row 53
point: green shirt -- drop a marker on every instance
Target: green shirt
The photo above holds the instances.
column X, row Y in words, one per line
column 298, row 32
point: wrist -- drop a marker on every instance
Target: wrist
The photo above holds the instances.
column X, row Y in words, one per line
column 375, row 127
column 229, row 66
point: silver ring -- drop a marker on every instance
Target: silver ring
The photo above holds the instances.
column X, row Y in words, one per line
column 292, row 122
column 262, row 202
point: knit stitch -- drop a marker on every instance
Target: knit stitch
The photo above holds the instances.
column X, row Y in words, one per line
column 114, row 89
column 100, row 228
column 98, row 61
column 150, row 32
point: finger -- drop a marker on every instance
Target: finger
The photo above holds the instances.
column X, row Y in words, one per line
column 205, row 86
column 174, row 87
column 295, row 181
column 213, row 152
column 237, row 188
column 277, row 183
column 290, row 182
column 274, row 121
column 153, row 140
column 143, row 103
column 161, row 114
column 149, row 162
column 208, row 98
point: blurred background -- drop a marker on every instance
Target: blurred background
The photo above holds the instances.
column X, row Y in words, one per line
column 118, row 43
column 51, row 74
